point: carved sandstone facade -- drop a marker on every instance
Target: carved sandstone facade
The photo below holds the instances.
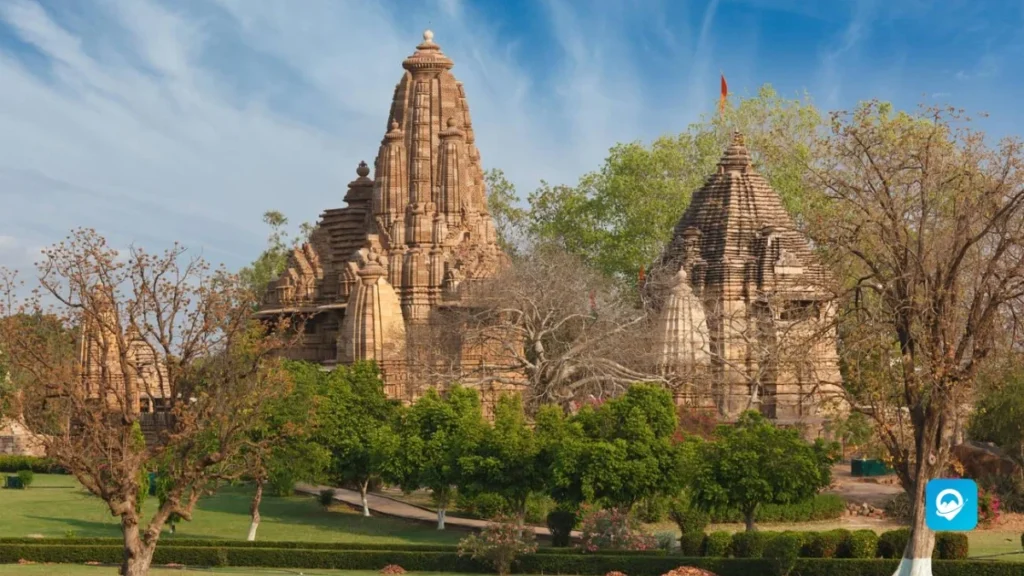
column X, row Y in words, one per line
column 743, row 307
column 375, row 273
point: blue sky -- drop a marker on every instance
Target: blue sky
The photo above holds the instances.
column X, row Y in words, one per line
column 184, row 120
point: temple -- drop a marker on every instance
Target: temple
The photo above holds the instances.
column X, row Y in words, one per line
column 377, row 271
column 742, row 306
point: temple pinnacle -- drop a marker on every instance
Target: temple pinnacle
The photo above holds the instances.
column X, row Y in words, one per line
column 428, row 36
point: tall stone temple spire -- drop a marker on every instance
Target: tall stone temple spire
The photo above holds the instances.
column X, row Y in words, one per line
column 766, row 330
column 406, row 239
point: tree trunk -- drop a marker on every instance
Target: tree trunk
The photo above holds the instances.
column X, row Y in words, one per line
column 138, row 555
column 748, row 519
column 917, row 558
column 254, row 510
column 441, row 510
column 362, row 494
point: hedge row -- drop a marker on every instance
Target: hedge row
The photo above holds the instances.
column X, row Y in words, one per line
column 650, row 565
column 859, row 544
column 10, row 463
column 820, row 507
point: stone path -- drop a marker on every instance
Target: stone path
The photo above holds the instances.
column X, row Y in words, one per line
column 386, row 506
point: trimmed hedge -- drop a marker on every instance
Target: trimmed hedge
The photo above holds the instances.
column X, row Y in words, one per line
column 634, row 565
column 820, row 507
column 11, row 463
column 750, row 544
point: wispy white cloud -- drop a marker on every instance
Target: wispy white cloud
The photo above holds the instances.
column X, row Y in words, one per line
column 833, row 57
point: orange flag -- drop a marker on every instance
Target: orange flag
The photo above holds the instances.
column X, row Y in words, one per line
column 725, row 94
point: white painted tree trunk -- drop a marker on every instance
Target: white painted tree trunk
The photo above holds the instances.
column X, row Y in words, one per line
column 917, row 558
column 440, row 517
column 914, row 567
column 254, row 511
column 362, row 494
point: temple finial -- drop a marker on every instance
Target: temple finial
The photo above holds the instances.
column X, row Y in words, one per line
column 363, row 170
column 428, row 36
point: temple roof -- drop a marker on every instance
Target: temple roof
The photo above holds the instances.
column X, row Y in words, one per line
column 735, row 218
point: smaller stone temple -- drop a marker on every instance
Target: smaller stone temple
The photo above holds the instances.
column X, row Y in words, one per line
column 743, row 307
column 99, row 353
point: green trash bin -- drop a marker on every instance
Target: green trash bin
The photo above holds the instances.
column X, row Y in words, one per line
column 868, row 467
column 13, row 482
column 152, row 483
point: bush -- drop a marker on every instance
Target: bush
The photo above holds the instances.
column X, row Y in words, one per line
column 26, row 477
column 485, row 505
column 820, row 507
column 666, row 541
column 612, row 530
column 688, row 518
column 691, row 544
column 392, row 570
column 898, row 507
column 951, row 546
column 12, row 464
column 718, row 544
column 988, row 507
column 537, row 508
column 652, row 510
column 893, row 543
column 1009, row 489
column 824, row 544
column 561, row 523
column 749, row 544
column 326, row 498
column 860, row 544
column 499, row 544
column 782, row 552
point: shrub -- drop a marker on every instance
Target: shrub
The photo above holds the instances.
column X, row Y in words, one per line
column 749, row 544
column 824, row 544
column 612, row 530
column 614, row 573
column 951, row 546
column 688, row 518
column 326, row 498
column 898, row 507
column 860, row 544
column 666, row 540
column 392, row 569
column 782, row 552
column 561, row 523
column 988, row 507
column 537, row 508
column 691, row 544
column 485, row 505
column 11, row 463
column 70, row 534
column 718, row 544
column 893, row 543
column 819, row 507
column 26, row 477
column 653, row 509
column 499, row 544
column 1009, row 489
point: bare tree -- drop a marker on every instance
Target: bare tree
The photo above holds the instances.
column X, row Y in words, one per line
column 158, row 332
column 929, row 227
column 548, row 324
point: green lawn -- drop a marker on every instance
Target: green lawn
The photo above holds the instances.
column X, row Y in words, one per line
column 55, row 505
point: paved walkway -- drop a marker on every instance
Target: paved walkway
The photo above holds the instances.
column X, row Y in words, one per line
column 386, row 506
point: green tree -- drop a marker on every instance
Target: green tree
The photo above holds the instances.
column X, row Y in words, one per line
column 620, row 452
column 620, row 217
column 755, row 462
column 281, row 450
column 508, row 459
column 999, row 416
column 359, row 425
column 509, row 216
column 438, row 430
column 274, row 258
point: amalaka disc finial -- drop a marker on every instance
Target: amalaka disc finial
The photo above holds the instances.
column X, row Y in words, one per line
column 428, row 35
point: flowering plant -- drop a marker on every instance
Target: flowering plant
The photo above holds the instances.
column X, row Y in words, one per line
column 392, row 570
column 499, row 544
column 988, row 507
column 612, row 530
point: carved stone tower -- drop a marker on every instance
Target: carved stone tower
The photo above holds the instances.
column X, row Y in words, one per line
column 375, row 270
column 768, row 339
